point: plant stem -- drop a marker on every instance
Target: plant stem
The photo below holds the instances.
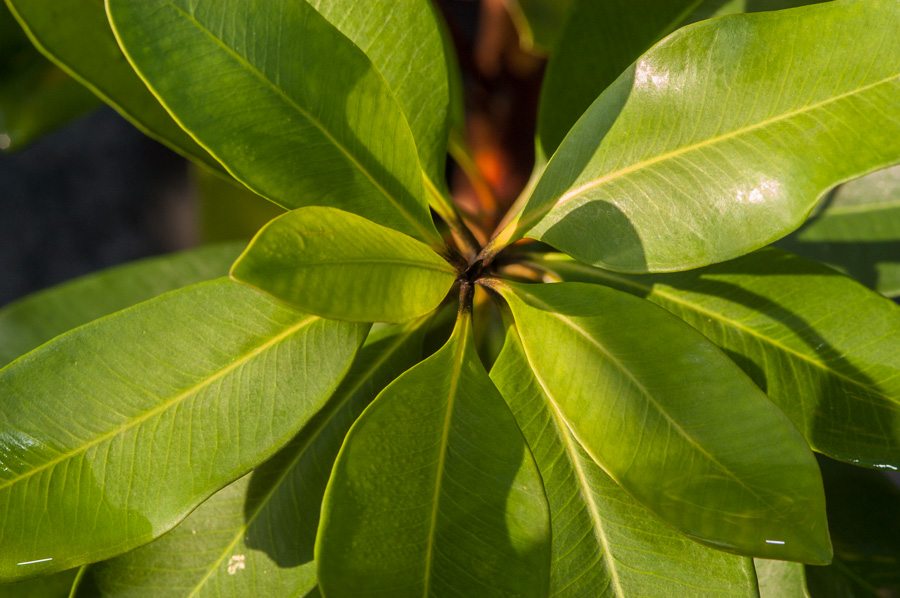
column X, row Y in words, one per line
column 446, row 209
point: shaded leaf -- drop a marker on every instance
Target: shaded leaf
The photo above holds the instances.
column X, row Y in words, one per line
column 256, row 536
column 405, row 43
column 672, row 420
column 191, row 389
column 434, row 491
column 29, row 322
column 857, row 231
column 76, row 35
column 295, row 110
column 604, row 542
column 825, row 349
column 721, row 138
column 228, row 210
column 338, row 265
column 862, row 514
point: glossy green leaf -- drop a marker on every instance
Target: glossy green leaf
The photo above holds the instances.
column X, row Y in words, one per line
column 825, row 349
column 672, row 420
column 540, row 22
column 57, row 585
column 295, row 110
column 29, row 322
column 602, row 39
column 76, row 35
column 604, row 542
column 434, row 491
column 256, row 536
column 857, row 231
column 721, row 138
column 780, row 579
column 338, row 265
column 191, row 389
column 405, row 43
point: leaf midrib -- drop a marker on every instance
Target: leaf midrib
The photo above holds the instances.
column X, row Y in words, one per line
column 306, row 114
column 301, row 450
column 455, row 375
column 672, row 154
column 166, row 405
column 762, row 339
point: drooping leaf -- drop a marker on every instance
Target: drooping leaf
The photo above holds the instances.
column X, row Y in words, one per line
column 857, row 231
column 295, row 110
column 405, row 43
column 780, row 579
column 338, row 265
column 672, row 420
column 434, row 491
column 112, row 433
column 825, row 349
column 256, row 536
column 29, row 322
column 540, row 23
column 76, row 35
column 721, row 138
column 605, row 542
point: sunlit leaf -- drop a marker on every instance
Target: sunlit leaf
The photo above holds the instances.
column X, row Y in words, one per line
column 235, row 544
column 338, row 265
column 295, row 110
column 604, row 542
column 672, row 420
column 191, row 389
column 722, row 137
column 29, row 322
column 825, row 349
column 76, row 35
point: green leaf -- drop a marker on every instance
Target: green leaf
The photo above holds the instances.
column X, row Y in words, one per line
column 76, row 35
column 338, row 265
column 602, row 39
column 405, row 43
column 721, row 138
column 36, row 319
column 604, row 542
column 295, row 110
column 672, row 420
column 780, row 579
column 825, row 349
column 434, row 491
column 190, row 389
column 540, row 23
column 857, row 231
column 256, row 536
